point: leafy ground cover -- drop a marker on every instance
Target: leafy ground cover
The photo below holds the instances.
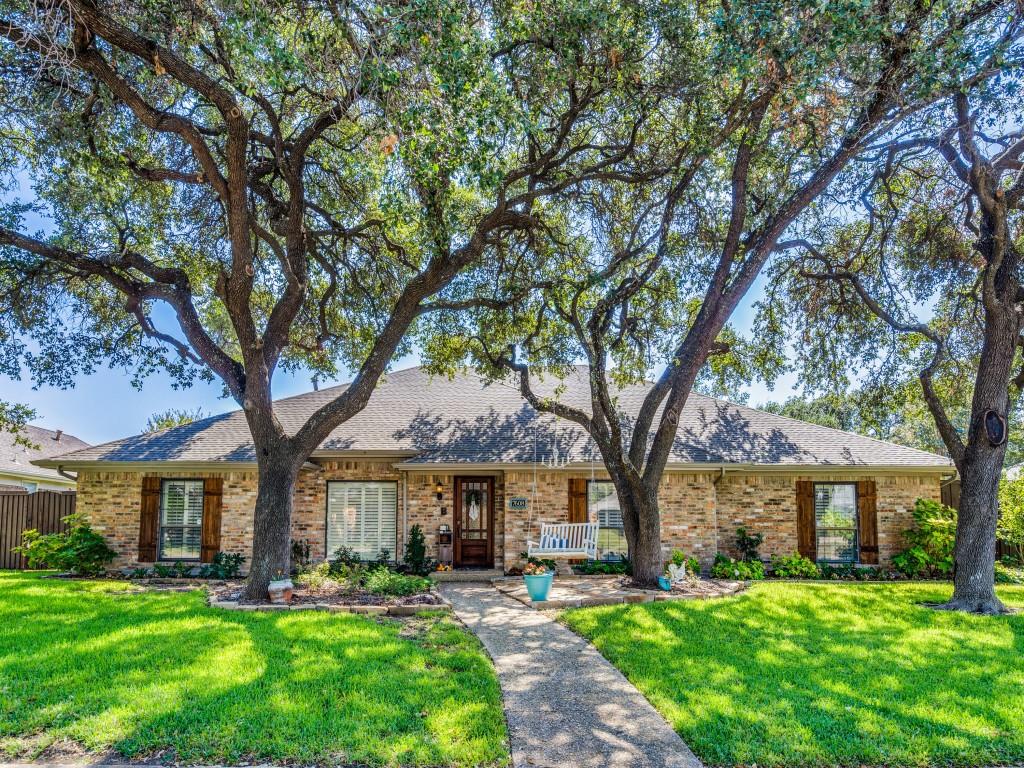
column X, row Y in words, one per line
column 826, row 674
column 101, row 666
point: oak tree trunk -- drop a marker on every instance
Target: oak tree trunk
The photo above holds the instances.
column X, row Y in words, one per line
column 980, row 469
column 272, row 523
column 641, row 520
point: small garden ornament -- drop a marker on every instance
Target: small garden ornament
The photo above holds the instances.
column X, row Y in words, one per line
column 280, row 590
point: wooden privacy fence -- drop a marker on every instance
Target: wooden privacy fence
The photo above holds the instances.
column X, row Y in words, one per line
column 42, row 510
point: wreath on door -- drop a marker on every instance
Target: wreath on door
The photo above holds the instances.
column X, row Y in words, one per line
column 474, row 499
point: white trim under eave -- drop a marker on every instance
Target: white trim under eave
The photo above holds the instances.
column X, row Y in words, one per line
column 159, row 466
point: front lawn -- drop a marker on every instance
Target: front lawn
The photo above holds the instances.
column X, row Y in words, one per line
column 826, row 674
column 97, row 665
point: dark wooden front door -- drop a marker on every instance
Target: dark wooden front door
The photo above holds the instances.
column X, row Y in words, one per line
column 474, row 522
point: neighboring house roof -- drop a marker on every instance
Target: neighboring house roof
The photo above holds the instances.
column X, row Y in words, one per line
column 435, row 420
column 16, row 459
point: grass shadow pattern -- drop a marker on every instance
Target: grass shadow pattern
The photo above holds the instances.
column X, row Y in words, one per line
column 109, row 668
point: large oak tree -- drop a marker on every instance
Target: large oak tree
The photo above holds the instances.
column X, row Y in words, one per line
column 232, row 187
column 784, row 97
column 928, row 280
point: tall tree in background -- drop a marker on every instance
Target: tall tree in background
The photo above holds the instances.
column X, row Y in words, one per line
column 930, row 280
column 173, row 417
column 783, row 98
column 233, row 187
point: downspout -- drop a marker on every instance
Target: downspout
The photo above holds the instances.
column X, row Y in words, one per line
column 405, row 510
column 68, row 475
column 717, row 480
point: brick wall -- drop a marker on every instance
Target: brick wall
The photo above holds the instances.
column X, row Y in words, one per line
column 112, row 502
column 700, row 510
column 766, row 504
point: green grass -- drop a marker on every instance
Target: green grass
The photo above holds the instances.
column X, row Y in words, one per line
column 93, row 663
column 823, row 675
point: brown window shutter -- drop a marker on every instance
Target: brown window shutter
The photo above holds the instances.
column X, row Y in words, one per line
column 806, row 530
column 213, row 493
column 578, row 500
column 867, row 521
column 149, row 519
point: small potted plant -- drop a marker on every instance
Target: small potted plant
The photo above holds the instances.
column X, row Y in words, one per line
column 280, row 589
column 538, row 581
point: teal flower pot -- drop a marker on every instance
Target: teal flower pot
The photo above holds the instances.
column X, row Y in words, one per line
column 665, row 583
column 538, row 587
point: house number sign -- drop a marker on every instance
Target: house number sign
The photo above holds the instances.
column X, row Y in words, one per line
column 518, row 503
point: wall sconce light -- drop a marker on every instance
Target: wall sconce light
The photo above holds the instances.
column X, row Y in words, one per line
column 440, row 491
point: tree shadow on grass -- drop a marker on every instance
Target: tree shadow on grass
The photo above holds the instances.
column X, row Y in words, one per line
column 826, row 674
column 150, row 672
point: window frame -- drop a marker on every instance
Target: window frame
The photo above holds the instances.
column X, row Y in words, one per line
column 160, row 522
column 622, row 555
column 327, row 513
column 856, row 521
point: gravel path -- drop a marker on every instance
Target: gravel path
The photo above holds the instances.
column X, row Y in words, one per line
column 566, row 705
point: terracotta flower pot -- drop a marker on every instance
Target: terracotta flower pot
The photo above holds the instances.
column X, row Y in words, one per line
column 280, row 591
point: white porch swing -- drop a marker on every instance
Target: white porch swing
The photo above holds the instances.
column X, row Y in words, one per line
column 559, row 539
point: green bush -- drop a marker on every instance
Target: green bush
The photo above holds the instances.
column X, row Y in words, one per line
column 726, row 567
column 317, row 577
column 679, row 558
column 795, row 567
column 929, row 550
column 416, row 553
column 381, row 581
column 747, row 544
column 1011, row 515
column 1009, row 571
column 603, row 567
column 225, row 565
column 79, row 550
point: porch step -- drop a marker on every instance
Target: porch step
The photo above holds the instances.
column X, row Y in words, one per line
column 467, row 575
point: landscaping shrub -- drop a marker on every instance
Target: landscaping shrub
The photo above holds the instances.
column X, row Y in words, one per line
column 343, row 556
column 851, row 572
column 301, row 554
column 1011, row 515
column 603, row 567
column 929, row 550
column 79, row 550
column 382, row 581
column 795, row 567
column 679, row 558
column 1009, row 571
column 416, row 553
column 726, row 567
column 747, row 544
column 317, row 577
column 225, row 565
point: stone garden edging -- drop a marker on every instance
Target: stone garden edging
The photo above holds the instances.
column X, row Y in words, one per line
column 368, row 610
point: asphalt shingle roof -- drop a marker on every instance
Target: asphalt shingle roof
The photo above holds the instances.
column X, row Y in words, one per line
column 466, row 420
column 16, row 459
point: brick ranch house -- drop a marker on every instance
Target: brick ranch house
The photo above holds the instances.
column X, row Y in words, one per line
column 475, row 458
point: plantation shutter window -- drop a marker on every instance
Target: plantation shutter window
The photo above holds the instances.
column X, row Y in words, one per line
column 603, row 505
column 181, row 519
column 835, row 521
column 362, row 517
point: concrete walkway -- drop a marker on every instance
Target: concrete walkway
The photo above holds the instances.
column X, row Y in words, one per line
column 566, row 705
